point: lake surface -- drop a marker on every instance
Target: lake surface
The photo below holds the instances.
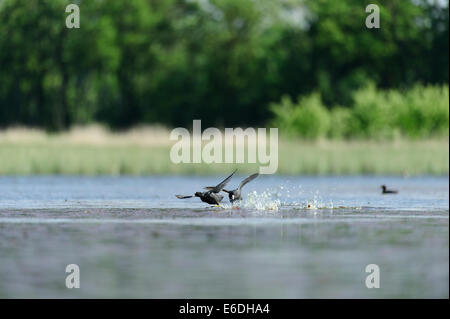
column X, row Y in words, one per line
column 292, row 237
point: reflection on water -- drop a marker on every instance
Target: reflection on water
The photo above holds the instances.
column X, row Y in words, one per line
column 132, row 238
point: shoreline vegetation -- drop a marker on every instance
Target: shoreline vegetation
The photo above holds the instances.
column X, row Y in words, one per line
column 346, row 99
column 420, row 112
column 228, row 62
column 94, row 150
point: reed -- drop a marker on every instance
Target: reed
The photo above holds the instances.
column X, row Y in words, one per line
column 145, row 151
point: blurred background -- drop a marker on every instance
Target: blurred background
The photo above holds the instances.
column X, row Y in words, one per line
column 352, row 99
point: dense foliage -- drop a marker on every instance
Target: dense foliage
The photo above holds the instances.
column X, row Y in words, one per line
column 420, row 112
column 222, row 61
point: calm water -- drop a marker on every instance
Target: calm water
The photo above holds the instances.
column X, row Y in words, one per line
column 293, row 237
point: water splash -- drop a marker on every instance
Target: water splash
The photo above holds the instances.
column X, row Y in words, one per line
column 294, row 196
column 316, row 202
column 274, row 199
column 267, row 200
column 291, row 196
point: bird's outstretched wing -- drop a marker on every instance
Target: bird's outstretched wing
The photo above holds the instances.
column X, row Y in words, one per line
column 183, row 197
column 209, row 188
column 218, row 188
column 248, row 179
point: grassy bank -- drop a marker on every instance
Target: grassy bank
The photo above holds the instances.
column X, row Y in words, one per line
column 146, row 151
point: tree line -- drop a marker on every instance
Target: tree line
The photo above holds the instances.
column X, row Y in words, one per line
column 222, row 61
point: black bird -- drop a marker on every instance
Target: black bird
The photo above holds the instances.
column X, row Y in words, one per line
column 211, row 196
column 235, row 194
column 387, row 191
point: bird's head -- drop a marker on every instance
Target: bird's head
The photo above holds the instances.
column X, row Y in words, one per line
column 383, row 187
column 198, row 194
